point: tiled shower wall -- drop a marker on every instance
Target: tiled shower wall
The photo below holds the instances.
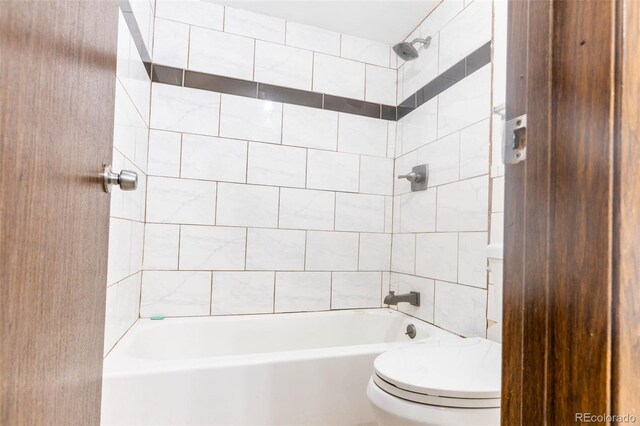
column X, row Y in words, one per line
column 126, row 232
column 255, row 206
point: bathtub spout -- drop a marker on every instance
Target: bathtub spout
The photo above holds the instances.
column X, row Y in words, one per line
column 413, row 298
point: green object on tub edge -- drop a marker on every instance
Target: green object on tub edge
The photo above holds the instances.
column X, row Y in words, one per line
column 157, row 318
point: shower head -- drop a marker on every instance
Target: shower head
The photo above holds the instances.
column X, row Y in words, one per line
column 407, row 52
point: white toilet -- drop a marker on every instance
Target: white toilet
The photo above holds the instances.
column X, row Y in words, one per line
column 452, row 382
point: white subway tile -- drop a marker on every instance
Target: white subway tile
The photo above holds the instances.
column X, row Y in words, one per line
column 164, row 153
column 111, row 335
column 119, row 257
column 469, row 30
column 275, row 249
column 403, row 253
column 215, row 52
column 381, row 85
column 309, row 127
column 376, row 175
column 338, row 76
column 137, row 247
column 437, row 256
column 212, row 158
column 209, row 247
column 375, row 252
column 313, row 38
column 332, row 170
column 472, row 259
column 426, row 288
column 356, row 290
column 419, row 127
column 497, row 194
column 464, row 205
column 242, row 293
column 332, row 251
column 182, row 109
column 306, row 209
column 180, row 201
column 440, row 17
column 461, row 309
column 254, row 25
column 161, row 244
column 129, row 130
column 417, row 73
column 175, row 293
column 283, row 65
column 194, row 12
column 474, row 150
column 128, row 304
column 359, row 212
column 443, row 159
column 465, row 103
column 418, row 211
column 247, row 205
column 392, row 128
column 362, row 135
column 303, row 291
column 363, row 50
column 252, row 119
column 497, row 228
column 171, row 45
column 277, row 165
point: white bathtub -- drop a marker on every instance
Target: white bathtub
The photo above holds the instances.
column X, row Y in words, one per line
column 280, row 369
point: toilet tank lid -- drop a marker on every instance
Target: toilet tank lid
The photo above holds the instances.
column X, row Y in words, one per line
column 466, row 368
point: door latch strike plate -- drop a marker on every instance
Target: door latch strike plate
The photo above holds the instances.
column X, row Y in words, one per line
column 515, row 140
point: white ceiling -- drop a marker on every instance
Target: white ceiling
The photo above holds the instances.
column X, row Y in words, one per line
column 388, row 21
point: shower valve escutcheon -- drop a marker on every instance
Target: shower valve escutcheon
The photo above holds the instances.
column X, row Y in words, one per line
column 419, row 177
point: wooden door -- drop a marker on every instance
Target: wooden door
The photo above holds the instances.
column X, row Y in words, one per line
column 57, row 65
column 572, row 214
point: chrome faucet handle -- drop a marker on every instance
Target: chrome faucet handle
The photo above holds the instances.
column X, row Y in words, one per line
column 412, row 177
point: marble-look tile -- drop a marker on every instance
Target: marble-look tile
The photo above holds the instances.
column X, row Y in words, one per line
column 359, row 212
column 437, row 256
column 420, row 127
column 494, row 303
column 137, row 247
column 443, row 159
column 254, row 25
column 418, row 211
column 381, row 85
column 386, row 286
column 332, row 170
column 497, row 228
column 472, row 259
column 144, row 17
column 388, row 214
column 332, row 251
column 252, row 119
column 363, row 50
column 161, row 244
column 127, row 304
column 247, row 205
column 465, row 103
column 136, row 81
column 392, row 128
column 355, row 290
column 419, row 72
column 181, row 201
column 175, row 293
column 499, row 46
column 171, row 44
column 375, row 252
column 474, row 150
column 440, row 17
column 122, row 50
column 209, row 247
column 129, row 129
column 362, row 135
column 111, row 335
column 461, row 309
column 200, row 13
column 469, row 30
column 277, row 165
column 376, row 175
column 403, row 253
column 212, row 158
column 309, row 127
column 338, row 76
column 164, row 153
column 283, row 65
column 119, row 250
column 313, row 38
column 219, row 53
column 497, row 194
column 306, row 209
column 244, row 292
column 275, row 249
column 426, row 288
column 303, row 291
column 464, row 205
column 182, row 109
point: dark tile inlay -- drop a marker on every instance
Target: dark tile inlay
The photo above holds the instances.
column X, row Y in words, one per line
column 479, row 58
column 389, row 113
column 127, row 14
column 289, row 96
column 406, row 106
column 351, row 106
column 216, row 83
column 166, row 75
column 433, row 89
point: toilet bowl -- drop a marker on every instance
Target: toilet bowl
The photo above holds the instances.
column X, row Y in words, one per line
column 444, row 383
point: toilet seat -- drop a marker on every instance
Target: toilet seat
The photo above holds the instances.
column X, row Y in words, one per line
column 464, row 373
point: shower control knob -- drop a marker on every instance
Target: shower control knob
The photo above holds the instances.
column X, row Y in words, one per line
column 126, row 179
column 412, row 177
